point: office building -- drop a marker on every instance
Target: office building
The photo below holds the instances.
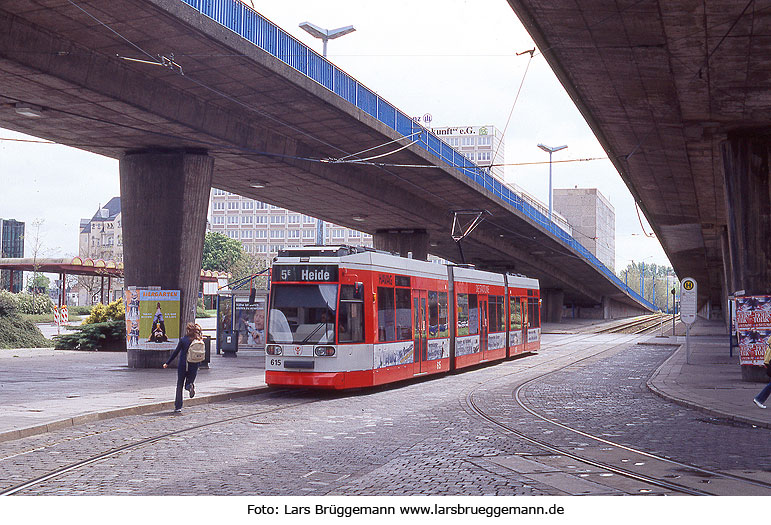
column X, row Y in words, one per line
column 11, row 245
column 592, row 219
column 264, row 229
column 482, row 145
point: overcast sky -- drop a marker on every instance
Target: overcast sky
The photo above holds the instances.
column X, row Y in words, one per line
column 454, row 59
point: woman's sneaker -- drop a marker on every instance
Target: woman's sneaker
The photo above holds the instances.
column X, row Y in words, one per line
column 761, row 405
column 192, row 390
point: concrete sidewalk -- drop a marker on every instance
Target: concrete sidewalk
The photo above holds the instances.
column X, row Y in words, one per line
column 712, row 379
column 45, row 389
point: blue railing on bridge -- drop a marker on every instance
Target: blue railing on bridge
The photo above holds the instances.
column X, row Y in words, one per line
column 258, row 30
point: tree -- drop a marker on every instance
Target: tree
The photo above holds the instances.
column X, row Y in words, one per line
column 657, row 282
column 39, row 284
column 220, row 253
column 250, row 264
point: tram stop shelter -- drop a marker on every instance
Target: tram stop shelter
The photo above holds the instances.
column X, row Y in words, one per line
column 107, row 270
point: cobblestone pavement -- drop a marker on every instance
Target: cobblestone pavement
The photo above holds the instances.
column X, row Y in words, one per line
column 415, row 438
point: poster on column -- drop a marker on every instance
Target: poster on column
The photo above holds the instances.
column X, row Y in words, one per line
column 131, row 302
column 753, row 327
column 158, row 319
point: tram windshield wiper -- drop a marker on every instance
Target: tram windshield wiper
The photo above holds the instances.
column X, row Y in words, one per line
column 308, row 337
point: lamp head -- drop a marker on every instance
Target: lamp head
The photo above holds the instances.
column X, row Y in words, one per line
column 549, row 149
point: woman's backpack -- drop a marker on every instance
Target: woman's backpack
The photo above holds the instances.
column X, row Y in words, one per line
column 197, row 351
column 767, row 358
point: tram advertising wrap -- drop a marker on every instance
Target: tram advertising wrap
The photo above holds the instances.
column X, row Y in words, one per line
column 753, row 328
column 347, row 317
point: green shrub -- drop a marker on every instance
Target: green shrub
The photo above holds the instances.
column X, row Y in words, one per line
column 80, row 310
column 8, row 303
column 105, row 336
column 115, row 311
column 17, row 332
column 37, row 304
column 200, row 311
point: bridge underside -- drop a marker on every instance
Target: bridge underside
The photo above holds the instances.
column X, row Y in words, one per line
column 267, row 128
column 678, row 93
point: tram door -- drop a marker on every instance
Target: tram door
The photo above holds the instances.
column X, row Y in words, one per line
column 484, row 325
column 420, row 327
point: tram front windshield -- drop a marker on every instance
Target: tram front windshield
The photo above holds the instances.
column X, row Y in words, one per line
column 302, row 313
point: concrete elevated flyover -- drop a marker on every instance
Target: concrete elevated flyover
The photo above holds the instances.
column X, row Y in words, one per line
column 679, row 94
column 192, row 94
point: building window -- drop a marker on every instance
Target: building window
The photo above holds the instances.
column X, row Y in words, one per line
column 247, row 234
column 232, row 205
column 219, row 192
column 247, row 219
column 261, row 219
column 247, row 204
column 309, row 234
column 276, row 234
column 467, row 141
column 233, row 234
column 261, row 234
column 232, row 219
column 278, row 219
column 293, row 234
column 293, row 219
column 484, row 140
column 308, row 220
column 218, row 206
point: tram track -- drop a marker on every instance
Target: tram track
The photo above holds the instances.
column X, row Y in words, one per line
column 657, row 481
column 73, row 466
column 639, row 325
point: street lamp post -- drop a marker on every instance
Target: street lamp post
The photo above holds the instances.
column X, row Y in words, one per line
column 550, row 150
column 325, row 35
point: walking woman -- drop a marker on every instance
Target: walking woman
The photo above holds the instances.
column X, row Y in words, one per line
column 186, row 371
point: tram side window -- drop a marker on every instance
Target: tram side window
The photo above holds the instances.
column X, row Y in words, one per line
column 462, row 314
column 501, row 301
column 515, row 313
column 473, row 314
column 444, row 328
column 496, row 313
column 433, row 314
column 350, row 316
column 535, row 317
column 386, row 327
column 403, row 314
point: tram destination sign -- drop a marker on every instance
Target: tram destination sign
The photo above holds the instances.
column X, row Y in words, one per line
column 304, row 272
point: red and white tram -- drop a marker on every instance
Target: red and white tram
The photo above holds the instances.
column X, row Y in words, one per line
column 346, row 317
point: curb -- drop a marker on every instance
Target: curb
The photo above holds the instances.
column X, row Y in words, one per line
column 126, row 411
column 663, row 394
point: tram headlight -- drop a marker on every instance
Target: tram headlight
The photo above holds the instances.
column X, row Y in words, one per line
column 324, row 351
column 274, row 350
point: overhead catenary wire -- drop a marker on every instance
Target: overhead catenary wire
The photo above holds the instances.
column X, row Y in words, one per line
column 250, row 151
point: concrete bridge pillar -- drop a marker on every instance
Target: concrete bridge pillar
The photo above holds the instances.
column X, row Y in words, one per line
column 551, row 305
column 403, row 242
column 746, row 160
column 746, row 157
column 164, row 200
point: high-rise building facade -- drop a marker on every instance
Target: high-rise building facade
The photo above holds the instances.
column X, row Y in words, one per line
column 264, row 229
column 482, row 145
column 592, row 219
column 11, row 245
